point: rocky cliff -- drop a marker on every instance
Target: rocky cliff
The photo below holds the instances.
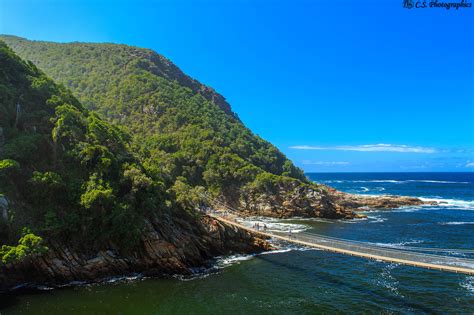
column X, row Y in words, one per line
column 293, row 199
column 164, row 250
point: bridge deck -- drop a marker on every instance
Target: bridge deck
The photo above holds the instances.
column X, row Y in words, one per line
column 359, row 249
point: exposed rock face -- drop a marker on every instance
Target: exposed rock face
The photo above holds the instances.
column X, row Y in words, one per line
column 356, row 202
column 293, row 200
column 361, row 202
column 163, row 251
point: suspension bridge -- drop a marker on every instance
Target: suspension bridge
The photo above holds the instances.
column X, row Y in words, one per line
column 429, row 258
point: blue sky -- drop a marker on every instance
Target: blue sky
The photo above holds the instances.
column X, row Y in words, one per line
column 336, row 85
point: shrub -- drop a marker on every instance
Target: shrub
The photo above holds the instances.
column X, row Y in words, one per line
column 28, row 244
column 8, row 166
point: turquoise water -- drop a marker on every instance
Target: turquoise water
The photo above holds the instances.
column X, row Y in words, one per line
column 296, row 280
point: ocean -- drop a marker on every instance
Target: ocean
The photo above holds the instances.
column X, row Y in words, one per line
column 296, row 280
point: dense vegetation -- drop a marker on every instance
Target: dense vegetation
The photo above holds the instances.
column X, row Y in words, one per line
column 141, row 139
column 67, row 174
column 181, row 130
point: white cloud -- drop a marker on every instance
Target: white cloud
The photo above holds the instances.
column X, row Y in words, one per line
column 327, row 163
column 470, row 164
column 381, row 147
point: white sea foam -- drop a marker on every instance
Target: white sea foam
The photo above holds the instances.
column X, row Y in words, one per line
column 387, row 280
column 277, row 251
column 274, row 225
column 333, row 181
column 44, row 288
column 109, row 280
column 352, row 221
column 455, row 223
column 376, row 219
column 231, row 260
column 452, row 203
column 406, row 209
column 378, row 181
column 288, row 248
column 399, row 244
column 197, row 274
column 226, row 261
column 437, row 181
column 311, row 219
column 393, row 181
column 123, row 278
column 220, row 263
column 468, row 284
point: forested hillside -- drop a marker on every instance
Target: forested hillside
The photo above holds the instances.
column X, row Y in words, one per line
column 182, row 131
column 63, row 170
column 75, row 202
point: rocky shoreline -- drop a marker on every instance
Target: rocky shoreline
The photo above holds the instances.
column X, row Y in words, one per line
column 316, row 201
column 177, row 248
column 162, row 253
column 363, row 203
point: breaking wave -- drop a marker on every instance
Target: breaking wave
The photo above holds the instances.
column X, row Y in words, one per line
column 455, row 223
column 376, row 219
column 231, row 260
column 393, row 181
column 458, row 204
column 399, row 245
